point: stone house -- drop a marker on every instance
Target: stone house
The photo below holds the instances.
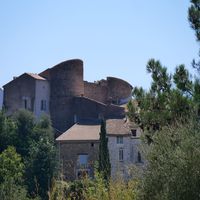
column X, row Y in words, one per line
column 124, row 147
column 79, row 148
column 75, row 107
column 28, row 91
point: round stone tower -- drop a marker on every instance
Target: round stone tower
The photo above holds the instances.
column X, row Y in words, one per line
column 66, row 81
column 119, row 90
column 67, row 78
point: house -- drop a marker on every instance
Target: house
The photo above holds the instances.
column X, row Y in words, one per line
column 124, row 146
column 28, row 91
column 79, row 148
column 75, row 107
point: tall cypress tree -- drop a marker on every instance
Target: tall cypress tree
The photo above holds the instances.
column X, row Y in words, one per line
column 104, row 160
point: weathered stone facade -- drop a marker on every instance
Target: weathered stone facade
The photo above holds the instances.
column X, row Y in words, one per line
column 69, row 153
column 76, row 107
column 83, row 139
column 26, row 92
column 17, row 91
column 128, row 149
column 66, row 96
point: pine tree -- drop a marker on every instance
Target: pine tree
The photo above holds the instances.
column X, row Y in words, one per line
column 104, row 160
column 194, row 19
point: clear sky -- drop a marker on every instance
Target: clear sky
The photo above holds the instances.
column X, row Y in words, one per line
column 112, row 37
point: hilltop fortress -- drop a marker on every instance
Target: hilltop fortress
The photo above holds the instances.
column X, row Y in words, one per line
column 62, row 93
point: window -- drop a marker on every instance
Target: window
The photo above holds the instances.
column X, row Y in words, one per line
column 139, row 159
column 43, row 105
column 83, row 160
column 134, row 132
column 92, row 144
column 25, row 104
column 121, row 154
column 119, row 140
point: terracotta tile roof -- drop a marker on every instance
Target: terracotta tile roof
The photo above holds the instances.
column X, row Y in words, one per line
column 80, row 132
column 85, row 132
column 117, row 127
column 36, row 76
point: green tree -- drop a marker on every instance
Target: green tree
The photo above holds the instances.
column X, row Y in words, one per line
column 7, row 132
column 194, row 19
column 41, row 163
column 25, row 123
column 11, row 166
column 173, row 164
column 34, row 141
column 11, row 175
column 104, row 159
column 170, row 98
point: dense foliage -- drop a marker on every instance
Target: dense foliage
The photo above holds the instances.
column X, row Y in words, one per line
column 171, row 97
column 194, row 19
column 33, row 161
column 173, row 164
column 169, row 115
column 104, row 159
column 96, row 189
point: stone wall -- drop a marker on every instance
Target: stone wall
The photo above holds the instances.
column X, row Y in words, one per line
column 114, row 111
column 118, row 166
column 118, row 89
column 69, row 152
column 66, row 81
column 42, row 93
column 86, row 108
column 62, row 115
column 131, row 147
column 96, row 91
column 16, row 91
column 113, row 90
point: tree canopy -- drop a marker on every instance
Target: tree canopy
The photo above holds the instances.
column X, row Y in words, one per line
column 104, row 159
column 35, row 151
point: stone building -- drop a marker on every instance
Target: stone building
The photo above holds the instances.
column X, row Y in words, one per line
column 79, row 148
column 76, row 107
column 124, row 147
column 62, row 92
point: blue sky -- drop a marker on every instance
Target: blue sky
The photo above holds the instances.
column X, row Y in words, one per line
column 112, row 37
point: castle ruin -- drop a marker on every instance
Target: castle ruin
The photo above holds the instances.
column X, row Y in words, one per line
column 62, row 93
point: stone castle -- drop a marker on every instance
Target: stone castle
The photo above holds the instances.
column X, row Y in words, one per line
column 62, row 93
column 75, row 107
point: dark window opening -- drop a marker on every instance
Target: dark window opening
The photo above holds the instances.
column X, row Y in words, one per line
column 82, row 160
column 25, row 104
column 92, row 144
column 43, row 105
column 119, row 139
column 134, row 132
column 121, row 154
column 139, row 159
